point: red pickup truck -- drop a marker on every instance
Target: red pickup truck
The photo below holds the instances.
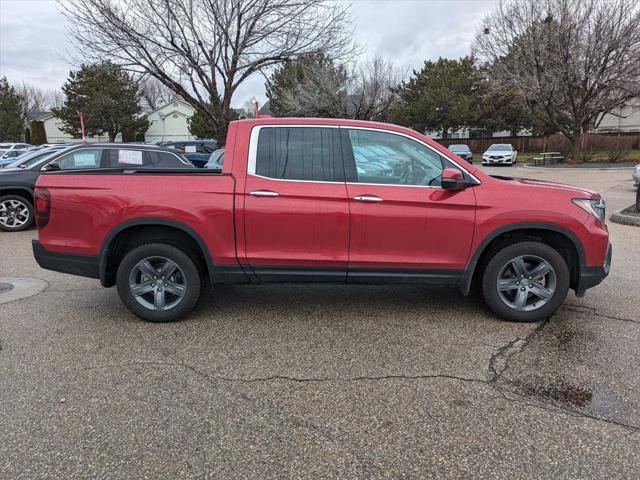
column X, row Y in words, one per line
column 322, row 200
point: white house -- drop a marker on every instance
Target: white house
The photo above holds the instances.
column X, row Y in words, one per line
column 53, row 125
column 167, row 123
column 625, row 119
column 170, row 122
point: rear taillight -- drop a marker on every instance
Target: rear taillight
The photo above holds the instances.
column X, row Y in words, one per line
column 43, row 206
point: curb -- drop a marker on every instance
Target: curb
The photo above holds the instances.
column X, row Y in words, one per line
column 624, row 219
column 596, row 169
column 23, row 287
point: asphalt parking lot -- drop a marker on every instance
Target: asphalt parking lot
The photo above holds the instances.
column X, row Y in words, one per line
column 323, row 381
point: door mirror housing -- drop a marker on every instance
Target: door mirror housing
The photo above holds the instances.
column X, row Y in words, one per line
column 52, row 167
column 453, row 179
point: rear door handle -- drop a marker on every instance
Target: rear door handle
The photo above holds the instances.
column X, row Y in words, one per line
column 368, row 198
column 264, row 193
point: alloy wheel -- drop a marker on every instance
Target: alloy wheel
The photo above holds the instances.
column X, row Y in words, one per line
column 13, row 214
column 157, row 283
column 526, row 283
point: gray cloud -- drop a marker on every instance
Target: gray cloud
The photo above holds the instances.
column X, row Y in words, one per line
column 34, row 47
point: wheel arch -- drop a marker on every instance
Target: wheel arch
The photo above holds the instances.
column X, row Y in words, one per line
column 25, row 192
column 172, row 232
column 563, row 239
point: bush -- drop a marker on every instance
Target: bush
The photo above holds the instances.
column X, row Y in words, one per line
column 614, row 153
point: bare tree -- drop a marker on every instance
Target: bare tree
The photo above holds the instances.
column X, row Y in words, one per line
column 249, row 108
column 372, row 89
column 571, row 61
column 320, row 90
column 363, row 92
column 154, row 94
column 205, row 49
column 39, row 99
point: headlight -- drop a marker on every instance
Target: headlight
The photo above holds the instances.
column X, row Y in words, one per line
column 597, row 208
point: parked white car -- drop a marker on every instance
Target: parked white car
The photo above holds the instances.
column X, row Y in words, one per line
column 636, row 175
column 13, row 150
column 500, row 154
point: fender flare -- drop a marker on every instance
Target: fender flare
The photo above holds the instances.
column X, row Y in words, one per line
column 464, row 284
column 106, row 244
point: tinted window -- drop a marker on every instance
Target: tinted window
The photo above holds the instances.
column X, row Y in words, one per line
column 166, row 160
column 85, row 158
column 386, row 158
column 299, row 153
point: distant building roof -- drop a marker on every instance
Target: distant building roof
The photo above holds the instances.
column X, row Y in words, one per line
column 265, row 109
column 35, row 114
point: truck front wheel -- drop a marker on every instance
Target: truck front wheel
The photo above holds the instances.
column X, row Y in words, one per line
column 525, row 281
column 158, row 282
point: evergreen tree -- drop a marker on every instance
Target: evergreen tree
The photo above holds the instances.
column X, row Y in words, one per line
column 108, row 97
column 38, row 133
column 12, row 118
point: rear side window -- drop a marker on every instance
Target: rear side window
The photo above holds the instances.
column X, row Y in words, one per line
column 81, row 159
column 126, row 157
column 299, row 153
column 166, row 160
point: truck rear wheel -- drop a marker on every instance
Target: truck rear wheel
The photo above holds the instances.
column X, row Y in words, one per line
column 158, row 282
column 525, row 281
column 16, row 213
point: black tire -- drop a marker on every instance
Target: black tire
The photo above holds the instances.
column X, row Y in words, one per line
column 502, row 258
column 24, row 202
column 188, row 272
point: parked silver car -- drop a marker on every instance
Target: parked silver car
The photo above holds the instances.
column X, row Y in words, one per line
column 636, row 175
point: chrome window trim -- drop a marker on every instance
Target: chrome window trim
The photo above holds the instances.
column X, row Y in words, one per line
column 253, row 152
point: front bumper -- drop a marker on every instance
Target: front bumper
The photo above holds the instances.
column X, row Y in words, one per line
column 592, row 276
column 499, row 161
column 81, row 265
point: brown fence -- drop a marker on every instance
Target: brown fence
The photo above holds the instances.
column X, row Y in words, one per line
column 592, row 142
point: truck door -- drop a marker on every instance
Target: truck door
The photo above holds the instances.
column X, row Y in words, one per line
column 296, row 210
column 404, row 226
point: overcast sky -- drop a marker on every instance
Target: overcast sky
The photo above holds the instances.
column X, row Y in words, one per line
column 34, row 46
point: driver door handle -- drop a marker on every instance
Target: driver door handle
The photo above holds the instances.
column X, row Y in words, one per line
column 368, row 198
column 264, row 193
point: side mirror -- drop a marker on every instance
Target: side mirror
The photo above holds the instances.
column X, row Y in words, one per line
column 52, row 167
column 453, row 179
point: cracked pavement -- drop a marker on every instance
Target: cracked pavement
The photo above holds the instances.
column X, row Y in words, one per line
column 323, row 381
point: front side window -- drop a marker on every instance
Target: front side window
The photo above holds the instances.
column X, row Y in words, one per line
column 299, row 153
column 387, row 158
column 80, row 159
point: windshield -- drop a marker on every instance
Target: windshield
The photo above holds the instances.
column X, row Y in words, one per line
column 216, row 159
column 36, row 158
column 500, row 147
column 5, row 145
column 458, row 148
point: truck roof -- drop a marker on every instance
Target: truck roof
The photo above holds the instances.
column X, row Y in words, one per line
column 338, row 122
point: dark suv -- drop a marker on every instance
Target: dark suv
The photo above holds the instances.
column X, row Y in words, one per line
column 197, row 152
column 17, row 184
